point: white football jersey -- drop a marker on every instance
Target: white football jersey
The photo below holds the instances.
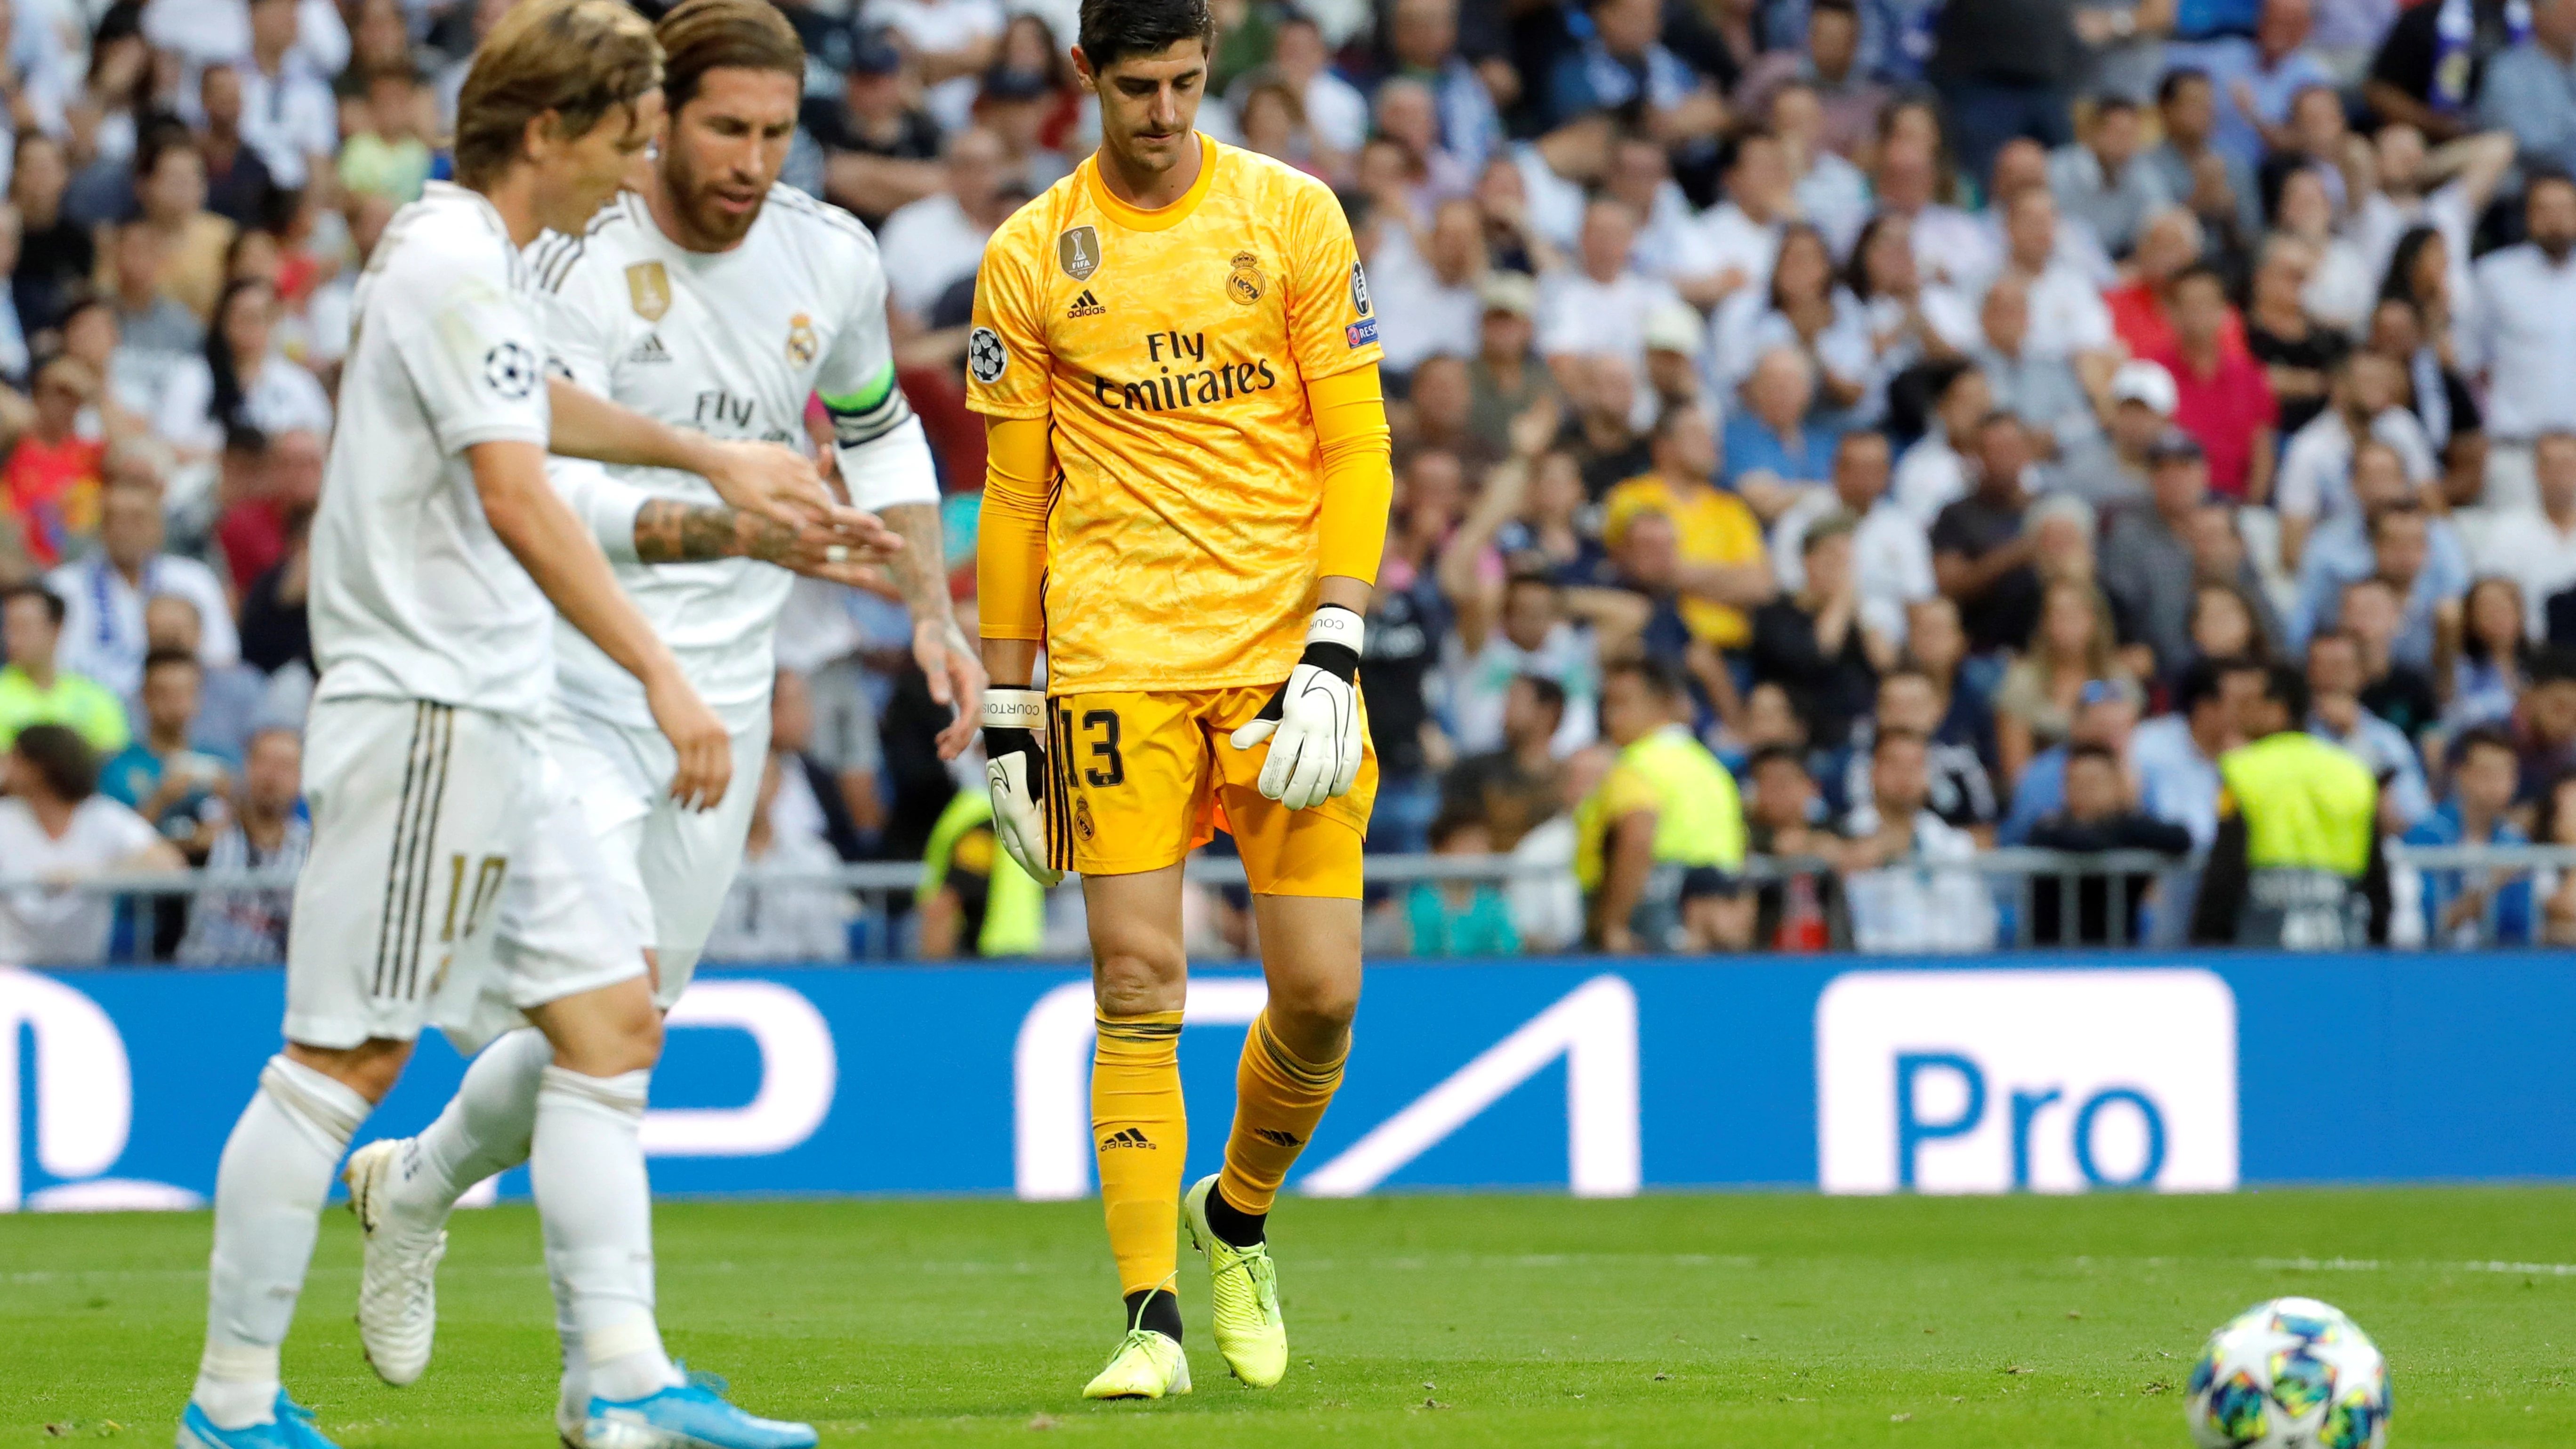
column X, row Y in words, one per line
column 414, row 596
column 731, row 344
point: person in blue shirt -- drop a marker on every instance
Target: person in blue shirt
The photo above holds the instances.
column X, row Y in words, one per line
column 1460, row 918
column 2475, row 908
column 2106, row 712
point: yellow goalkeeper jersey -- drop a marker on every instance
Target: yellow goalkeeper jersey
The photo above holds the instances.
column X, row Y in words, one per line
column 1170, row 351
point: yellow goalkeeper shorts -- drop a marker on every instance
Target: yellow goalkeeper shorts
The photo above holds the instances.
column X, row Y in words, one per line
column 1139, row 780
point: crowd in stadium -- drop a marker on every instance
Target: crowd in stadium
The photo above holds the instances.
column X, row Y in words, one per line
column 1938, row 411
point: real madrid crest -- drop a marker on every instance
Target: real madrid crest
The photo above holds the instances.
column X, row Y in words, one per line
column 1243, row 278
column 1077, row 251
column 802, row 348
column 648, row 287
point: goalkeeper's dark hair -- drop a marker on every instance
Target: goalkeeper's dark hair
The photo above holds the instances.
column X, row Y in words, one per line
column 1115, row 30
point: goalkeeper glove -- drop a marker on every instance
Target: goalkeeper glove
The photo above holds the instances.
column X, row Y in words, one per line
column 1313, row 722
column 1015, row 769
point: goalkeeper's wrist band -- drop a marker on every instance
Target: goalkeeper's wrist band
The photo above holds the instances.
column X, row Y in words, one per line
column 1015, row 709
column 1333, row 640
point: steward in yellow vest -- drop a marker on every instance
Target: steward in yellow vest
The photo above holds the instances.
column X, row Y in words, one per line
column 2296, row 865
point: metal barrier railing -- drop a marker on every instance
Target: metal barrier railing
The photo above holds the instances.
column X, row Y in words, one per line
column 2020, row 878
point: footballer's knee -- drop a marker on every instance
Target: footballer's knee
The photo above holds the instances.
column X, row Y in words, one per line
column 1137, row 970
column 605, row 1033
column 369, row 1069
column 1312, row 1016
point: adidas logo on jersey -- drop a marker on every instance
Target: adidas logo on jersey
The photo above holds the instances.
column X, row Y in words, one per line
column 1127, row 1137
column 1086, row 305
column 650, row 350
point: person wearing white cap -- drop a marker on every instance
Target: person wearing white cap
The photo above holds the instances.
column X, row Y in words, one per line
column 1504, row 377
column 2143, row 397
column 1673, row 341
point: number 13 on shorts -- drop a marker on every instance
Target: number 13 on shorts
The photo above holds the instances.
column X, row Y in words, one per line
column 1139, row 780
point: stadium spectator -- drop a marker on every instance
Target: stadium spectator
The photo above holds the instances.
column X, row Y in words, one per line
column 1802, row 309
column 2397, row 692
column 284, row 102
column 1603, row 434
column 1516, row 785
column 1434, row 415
column 1904, row 869
column 1891, row 557
column 155, row 333
column 2066, row 313
column 2416, row 553
column 1910, row 320
column 2341, row 286
column 2298, row 353
column 1982, row 553
column 1951, row 248
column 1775, row 453
column 1598, row 306
column 57, row 256
column 1805, row 912
column 2337, row 717
column 1824, row 187
column 1813, row 642
column 1660, row 849
column 167, row 775
column 52, row 473
column 56, row 828
column 2175, row 755
column 1459, row 917
column 1739, row 238
column 1936, row 470
column 2148, row 567
column 104, row 594
column 2365, row 401
column 2525, row 89
column 2524, row 328
column 2104, row 181
column 2429, row 79
column 2097, row 815
column 1956, row 726
column 232, row 697
column 2221, row 396
column 2468, row 909
column 2104, row 713
column 2214, row 186
column 264, row 831
column 2537, row 547
column 33, row 691
column 931, row 244
column 2555, row 824
column 1426, row 283
column 1723, row 570
column 1676, row 340
column 170, row 189
column 881, row 149
column 2492, row 668
column 2042, row 389
column 2544, row 724
column 1302, row 59
column 1511, row 626
column 388, row 150
column 1503, row 381
column 2450, row 411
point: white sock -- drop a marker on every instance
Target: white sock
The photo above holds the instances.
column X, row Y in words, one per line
column 592, row 1193
column 486, row 1128
column 573, row 1396
column 269, row 1188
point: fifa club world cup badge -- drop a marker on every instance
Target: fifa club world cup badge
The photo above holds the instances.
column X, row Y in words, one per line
column 985, row 355
column 1243, row 278
column 648, row 287
column 802, row 346
column 1077, row 251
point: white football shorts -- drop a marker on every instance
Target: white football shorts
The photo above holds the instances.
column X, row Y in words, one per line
column 668, row 867
column 437, row 830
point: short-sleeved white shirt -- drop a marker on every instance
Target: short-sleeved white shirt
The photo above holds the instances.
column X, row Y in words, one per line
column 414, row 596
column 41, row 927
column 730, row 344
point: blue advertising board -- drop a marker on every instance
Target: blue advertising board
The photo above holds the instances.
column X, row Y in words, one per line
column 2196, row 1072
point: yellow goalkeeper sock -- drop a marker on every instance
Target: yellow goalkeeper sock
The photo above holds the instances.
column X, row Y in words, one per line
column 1140, row 1132
column 1279, row 1097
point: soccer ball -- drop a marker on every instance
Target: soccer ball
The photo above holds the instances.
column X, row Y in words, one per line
column 2293, row 1373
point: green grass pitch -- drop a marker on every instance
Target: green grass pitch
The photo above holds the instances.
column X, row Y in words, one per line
column 1731, row 1320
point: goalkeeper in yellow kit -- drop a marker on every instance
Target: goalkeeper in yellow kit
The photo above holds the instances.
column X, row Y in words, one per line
column 1177, row 361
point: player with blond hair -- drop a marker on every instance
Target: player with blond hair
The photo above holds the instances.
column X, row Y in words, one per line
column 708, row 295
column 450, row 869
column 1186, row 503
